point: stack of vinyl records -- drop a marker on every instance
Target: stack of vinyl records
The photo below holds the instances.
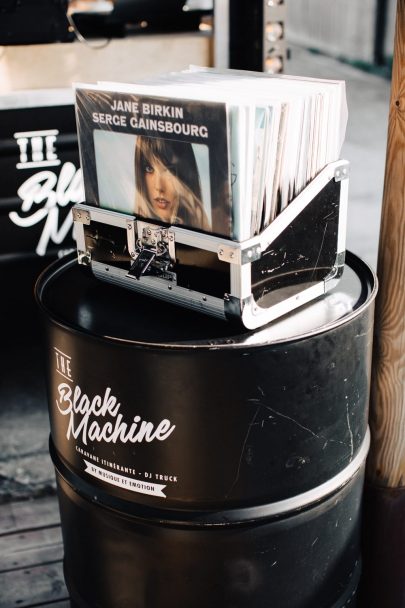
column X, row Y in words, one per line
column 238, row 146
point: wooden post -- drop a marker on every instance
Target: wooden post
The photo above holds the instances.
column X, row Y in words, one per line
column 384, row 521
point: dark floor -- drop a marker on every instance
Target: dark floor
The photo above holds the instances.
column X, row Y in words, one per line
column 31, row 552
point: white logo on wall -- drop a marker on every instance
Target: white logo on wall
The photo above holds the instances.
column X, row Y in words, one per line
column 37, row 149
column 44, row 193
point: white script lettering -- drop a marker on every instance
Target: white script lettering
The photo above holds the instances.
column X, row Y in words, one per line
column 42, row 195
column 80, row 408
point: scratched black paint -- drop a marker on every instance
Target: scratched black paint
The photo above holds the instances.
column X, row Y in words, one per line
column 256, row 422
column 303, row 254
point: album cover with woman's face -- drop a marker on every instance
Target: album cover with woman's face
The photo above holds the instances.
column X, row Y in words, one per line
column 160, row 159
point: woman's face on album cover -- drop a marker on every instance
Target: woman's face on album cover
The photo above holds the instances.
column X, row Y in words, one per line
column 162, row 190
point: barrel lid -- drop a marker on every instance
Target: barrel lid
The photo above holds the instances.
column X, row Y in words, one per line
column 72, row 297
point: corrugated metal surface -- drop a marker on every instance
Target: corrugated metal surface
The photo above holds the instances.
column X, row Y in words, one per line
column 344, row 28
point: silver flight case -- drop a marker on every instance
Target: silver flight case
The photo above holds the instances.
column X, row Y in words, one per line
column 297, row 258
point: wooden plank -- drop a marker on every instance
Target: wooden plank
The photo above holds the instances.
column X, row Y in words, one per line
column 29, row 514
column 30, row 548
column 386, row 461
column 31, row 551
column 32, row 586
column 384, row 542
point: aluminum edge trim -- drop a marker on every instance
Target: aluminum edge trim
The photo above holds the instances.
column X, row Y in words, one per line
column 79, row 236
column 158, row 288
column 255, row 317
column 344, row 197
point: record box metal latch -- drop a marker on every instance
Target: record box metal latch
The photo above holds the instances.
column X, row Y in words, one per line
column 152, row 249
column 297, row 258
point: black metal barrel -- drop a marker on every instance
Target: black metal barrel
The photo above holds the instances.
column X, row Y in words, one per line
column 201, row 466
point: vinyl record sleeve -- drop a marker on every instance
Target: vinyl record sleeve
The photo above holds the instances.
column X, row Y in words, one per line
column 161, row 159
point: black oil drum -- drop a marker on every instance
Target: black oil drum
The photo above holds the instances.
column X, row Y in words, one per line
column 200, row 466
